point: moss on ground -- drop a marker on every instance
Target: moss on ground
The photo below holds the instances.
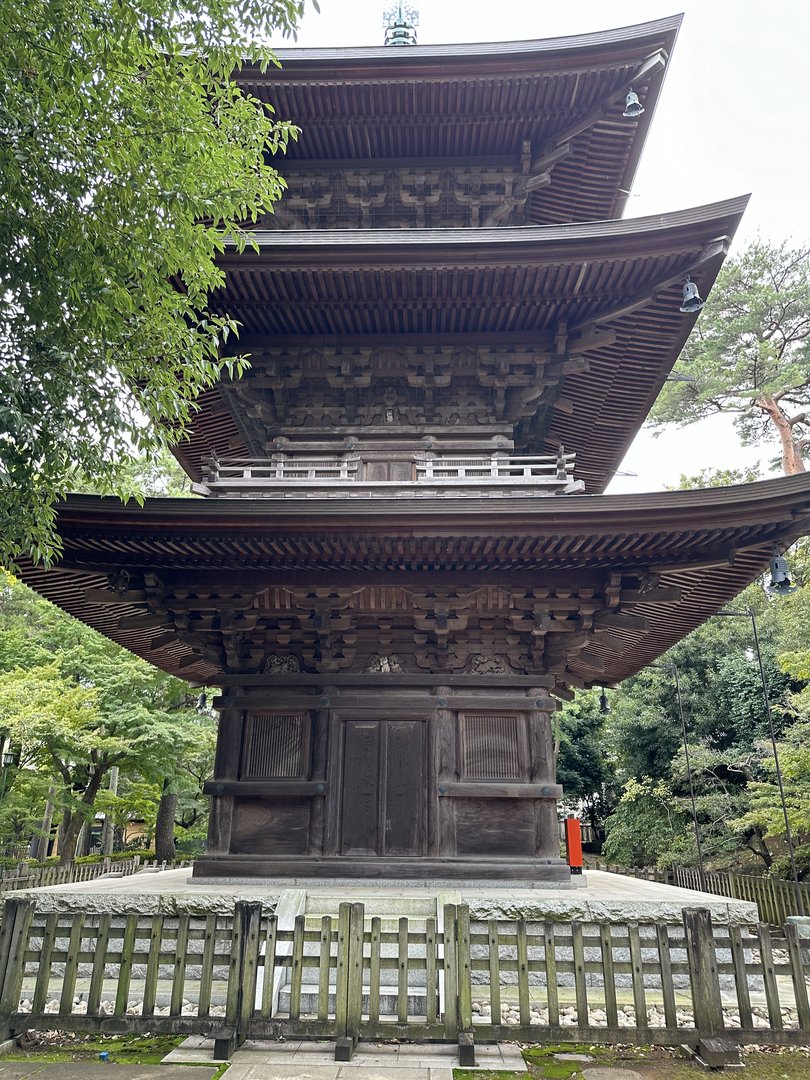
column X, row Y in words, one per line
column 651, row 1062
column 123, row 1049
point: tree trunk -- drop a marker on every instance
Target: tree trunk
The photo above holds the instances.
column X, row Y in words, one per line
column 792, row 461
column 755, row 842
column 165, row 849
column 72, row 823
column 107, row 833
column 69, row 838
column 39, row 844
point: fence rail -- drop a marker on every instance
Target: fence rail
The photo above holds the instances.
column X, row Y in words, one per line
column 35, row 877
column 232, row 977
column 775, row 898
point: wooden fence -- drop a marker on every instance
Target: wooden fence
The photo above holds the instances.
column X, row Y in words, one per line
column 36, row 877
column 231, row 977
column 775, row 898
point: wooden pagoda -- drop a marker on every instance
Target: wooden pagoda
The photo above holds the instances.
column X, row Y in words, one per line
column 403, row 558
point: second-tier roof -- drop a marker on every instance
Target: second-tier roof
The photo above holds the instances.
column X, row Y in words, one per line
column 606, row 293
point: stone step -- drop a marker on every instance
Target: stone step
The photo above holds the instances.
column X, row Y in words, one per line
column 414, row 907
column 417, row 1000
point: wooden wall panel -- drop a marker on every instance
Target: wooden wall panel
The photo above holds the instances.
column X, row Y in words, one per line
column 493, row 746
column 262, row 827
column 495, row 827
column 275, row 746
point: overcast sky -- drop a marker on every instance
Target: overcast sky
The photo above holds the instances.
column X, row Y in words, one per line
column 732, row 119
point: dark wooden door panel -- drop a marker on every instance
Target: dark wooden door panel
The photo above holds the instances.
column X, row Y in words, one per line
column 360, row 813
column 384, row 794
column 405, row 794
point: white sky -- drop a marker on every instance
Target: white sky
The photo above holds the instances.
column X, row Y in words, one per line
column 732, row 119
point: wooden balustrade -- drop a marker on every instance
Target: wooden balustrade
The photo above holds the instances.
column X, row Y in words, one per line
column 546, row 474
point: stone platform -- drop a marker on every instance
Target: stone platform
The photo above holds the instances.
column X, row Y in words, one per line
column 604, row 897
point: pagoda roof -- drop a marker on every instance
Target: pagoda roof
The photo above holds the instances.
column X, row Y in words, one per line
column 482, row 103
column 608, row 291
column 674, row 559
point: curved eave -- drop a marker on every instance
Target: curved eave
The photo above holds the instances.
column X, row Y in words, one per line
column 497, row 286
column 496, row 56
column 707, row 544
column 376, row 105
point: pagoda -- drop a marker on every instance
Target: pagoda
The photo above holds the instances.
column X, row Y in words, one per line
column 404, row 558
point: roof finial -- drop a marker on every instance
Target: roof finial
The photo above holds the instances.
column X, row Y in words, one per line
column 400, row 21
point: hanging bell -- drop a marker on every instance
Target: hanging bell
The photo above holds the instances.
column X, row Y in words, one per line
column 604, row 704
column 691, row 298
column 780, row 583
column 632, row 106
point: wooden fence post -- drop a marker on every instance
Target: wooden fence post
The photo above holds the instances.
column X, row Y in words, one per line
column 244, row 936
column 794, row 942
column 466, row 1036
column 17, row 915
column 450, row 973
column 707, row 1005
column 348, row 979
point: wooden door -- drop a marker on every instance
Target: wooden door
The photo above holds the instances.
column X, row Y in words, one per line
column 384, row 797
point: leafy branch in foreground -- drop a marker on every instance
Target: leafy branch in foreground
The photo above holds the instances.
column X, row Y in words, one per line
column 128, row 157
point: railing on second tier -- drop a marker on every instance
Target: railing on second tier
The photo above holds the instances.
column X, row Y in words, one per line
column 495, row 473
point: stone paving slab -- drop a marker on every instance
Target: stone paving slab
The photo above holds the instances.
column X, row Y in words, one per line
column 300, row 1058
column 90, row 1070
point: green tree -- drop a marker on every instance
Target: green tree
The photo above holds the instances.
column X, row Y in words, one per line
column 645, row 825
column 749, row 354
column 128, row 157
column 76, row 704
column 587, row 773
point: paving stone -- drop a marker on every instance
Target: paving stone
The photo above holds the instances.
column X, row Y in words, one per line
column 86, row 1070
column 290, row 1072
column 605, row 1072
column 386, row 1072
column 573, row 1057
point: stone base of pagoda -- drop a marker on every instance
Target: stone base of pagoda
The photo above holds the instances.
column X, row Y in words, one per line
column 530, row 873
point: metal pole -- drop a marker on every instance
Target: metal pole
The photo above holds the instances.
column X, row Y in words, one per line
column 788, row 833
column 701, row 868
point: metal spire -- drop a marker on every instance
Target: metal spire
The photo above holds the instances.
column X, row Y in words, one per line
column 399, row 22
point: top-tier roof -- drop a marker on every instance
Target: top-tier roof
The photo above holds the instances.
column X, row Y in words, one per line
column 482, row 103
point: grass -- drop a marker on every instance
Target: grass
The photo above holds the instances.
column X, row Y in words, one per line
column 650, row 1062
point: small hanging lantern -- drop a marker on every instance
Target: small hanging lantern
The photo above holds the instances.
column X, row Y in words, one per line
column 780, row 583
column 632, row 106
column 691, row 302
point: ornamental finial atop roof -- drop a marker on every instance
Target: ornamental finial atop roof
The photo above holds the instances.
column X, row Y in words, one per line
column 400, row 21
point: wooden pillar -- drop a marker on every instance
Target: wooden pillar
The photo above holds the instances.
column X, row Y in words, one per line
column 542, row 771
column 226, row 767
column 443, row 768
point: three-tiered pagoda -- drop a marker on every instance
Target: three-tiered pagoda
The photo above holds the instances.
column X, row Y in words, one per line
column 403, row 558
